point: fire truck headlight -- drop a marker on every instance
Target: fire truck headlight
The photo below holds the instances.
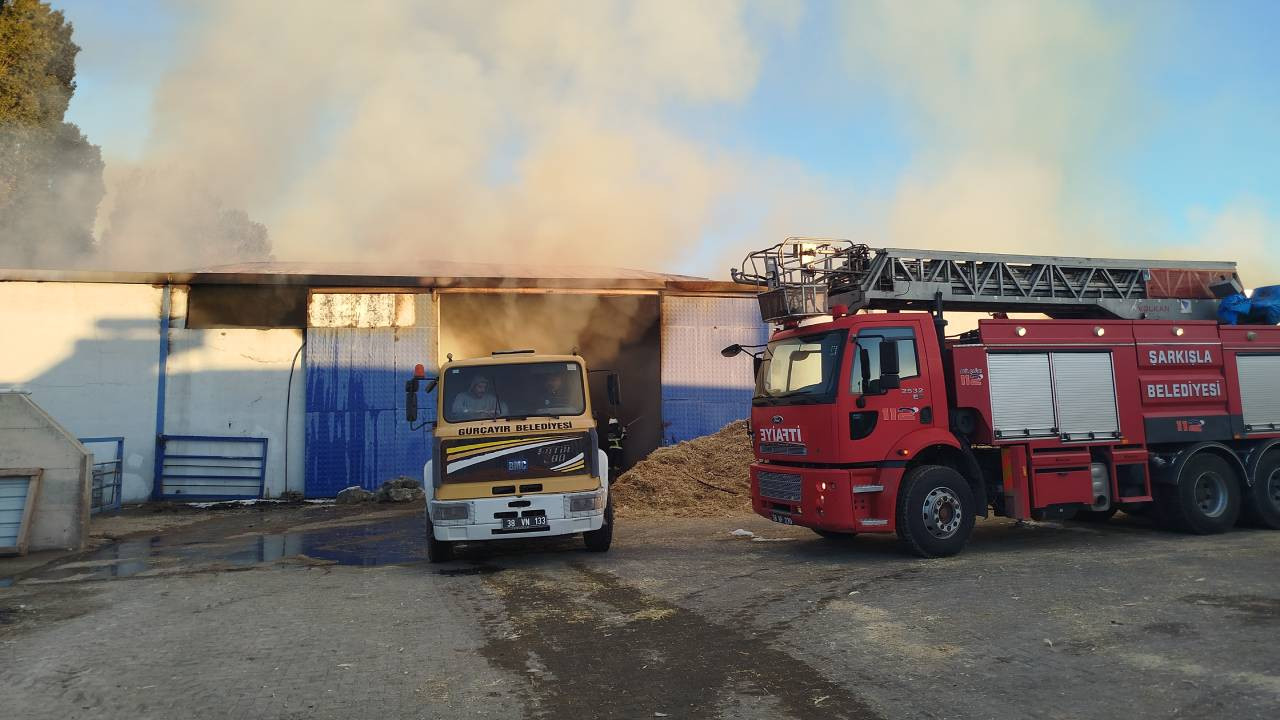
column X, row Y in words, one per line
column 444, row 512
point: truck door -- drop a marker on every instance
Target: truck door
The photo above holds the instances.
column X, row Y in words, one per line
column 881, row 415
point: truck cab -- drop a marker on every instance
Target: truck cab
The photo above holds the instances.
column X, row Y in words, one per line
column 515, row 453
column 840, row 408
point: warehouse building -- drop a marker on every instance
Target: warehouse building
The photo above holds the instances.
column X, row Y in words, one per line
column 250, row 381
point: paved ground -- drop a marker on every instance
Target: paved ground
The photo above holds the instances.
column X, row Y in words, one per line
column 341, row 618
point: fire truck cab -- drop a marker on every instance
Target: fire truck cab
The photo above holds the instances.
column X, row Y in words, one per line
column 879, row 423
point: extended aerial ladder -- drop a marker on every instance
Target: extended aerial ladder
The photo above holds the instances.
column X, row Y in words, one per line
column 806, row 277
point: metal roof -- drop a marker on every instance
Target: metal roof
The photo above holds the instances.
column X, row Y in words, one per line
column 414, row 274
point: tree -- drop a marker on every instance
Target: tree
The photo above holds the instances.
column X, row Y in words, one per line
column 50, row 175
column 165, row 219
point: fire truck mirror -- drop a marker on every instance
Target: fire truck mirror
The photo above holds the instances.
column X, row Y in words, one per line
column 614, row 386
column 732, row 351
column 864, row 363
column 411, row 400
column 888, row 360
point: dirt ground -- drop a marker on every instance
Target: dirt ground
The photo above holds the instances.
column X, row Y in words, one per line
column 329, row 612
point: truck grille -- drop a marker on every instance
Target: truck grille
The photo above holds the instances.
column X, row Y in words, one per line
column 782, row 448
column 780, row 486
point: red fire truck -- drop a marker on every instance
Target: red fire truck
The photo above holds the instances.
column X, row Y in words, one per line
column 1130, row 395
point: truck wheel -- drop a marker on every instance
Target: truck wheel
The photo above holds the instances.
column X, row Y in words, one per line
column 1206, row 498
column 438, row 551
column 836, row 536
column 935, row 511
column 600, row 540
column 1262, row 503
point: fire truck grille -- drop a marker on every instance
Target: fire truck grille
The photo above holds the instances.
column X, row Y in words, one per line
column 782, row 449
column 780, row 486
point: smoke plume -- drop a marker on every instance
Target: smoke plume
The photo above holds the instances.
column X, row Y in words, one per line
column 541, row 132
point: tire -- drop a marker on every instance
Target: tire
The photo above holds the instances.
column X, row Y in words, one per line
column 1096, row 515
column 438, row 551
column 600, row 540
column 1206, row 498
column 935, row 511
column 1262, row 502
column 835, row 536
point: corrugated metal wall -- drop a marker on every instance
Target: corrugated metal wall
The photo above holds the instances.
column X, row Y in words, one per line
column 356, row 433
column 702, row 391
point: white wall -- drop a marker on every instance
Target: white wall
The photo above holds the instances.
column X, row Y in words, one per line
column 233, row 382
column 88, row 353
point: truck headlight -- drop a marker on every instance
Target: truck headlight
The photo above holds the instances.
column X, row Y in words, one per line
column 450, row 511
column 586, row 503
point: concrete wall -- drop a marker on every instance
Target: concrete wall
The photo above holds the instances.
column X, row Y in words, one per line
column 30, row 438
column 87, row 352
column 235, row 382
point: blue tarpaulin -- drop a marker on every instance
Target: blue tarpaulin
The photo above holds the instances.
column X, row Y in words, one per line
column 1261, row 309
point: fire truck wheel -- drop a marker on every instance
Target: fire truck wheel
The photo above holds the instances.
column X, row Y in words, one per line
column 1206, row 498
column 1262, row 503
column 600, row 540
column 935, row 511
column 832, row 535
column 438, row 551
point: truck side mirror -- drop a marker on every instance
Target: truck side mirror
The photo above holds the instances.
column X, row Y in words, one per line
column 411, row 400
column 864, row 362
column 733, row 350
column 889, row 365
column 614, row 386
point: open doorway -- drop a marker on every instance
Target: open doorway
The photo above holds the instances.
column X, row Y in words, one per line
column 611, row 332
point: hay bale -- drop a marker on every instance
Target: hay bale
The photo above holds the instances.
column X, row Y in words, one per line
column 706, row 476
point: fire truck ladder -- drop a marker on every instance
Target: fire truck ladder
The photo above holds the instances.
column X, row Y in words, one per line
column 804, row 277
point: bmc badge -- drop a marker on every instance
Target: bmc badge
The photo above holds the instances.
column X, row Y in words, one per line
column 777, row 419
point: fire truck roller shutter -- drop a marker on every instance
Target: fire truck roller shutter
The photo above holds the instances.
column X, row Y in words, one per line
column 1259, row 391
column 1021, row 395
column 1085, row 392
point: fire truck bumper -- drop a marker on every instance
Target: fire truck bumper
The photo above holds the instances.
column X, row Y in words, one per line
column 840, row 500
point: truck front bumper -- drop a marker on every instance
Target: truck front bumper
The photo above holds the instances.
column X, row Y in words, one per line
column 485, row 517
column 837, row 499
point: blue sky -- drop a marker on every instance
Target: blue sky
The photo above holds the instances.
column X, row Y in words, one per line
column 1197, row 131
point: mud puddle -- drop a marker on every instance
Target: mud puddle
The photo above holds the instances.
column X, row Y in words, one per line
column 396, row 541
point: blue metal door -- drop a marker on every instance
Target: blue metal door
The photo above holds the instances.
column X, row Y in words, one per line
column 356, row 432
column 702, row 391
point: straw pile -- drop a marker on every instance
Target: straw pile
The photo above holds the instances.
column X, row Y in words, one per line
column 706, row 476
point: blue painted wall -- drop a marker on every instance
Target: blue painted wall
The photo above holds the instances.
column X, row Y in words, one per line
column 702, row 391
column 356, row 433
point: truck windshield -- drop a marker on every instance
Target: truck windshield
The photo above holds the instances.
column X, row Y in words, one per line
column 800, row 370
column 491, row 392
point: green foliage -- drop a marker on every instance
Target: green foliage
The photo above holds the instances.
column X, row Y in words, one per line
column 50, row 175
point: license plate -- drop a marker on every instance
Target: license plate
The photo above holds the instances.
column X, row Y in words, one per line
column 520, row 523
column 780, row 518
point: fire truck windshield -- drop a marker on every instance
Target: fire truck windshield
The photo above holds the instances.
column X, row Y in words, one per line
column 800, row 370
column 522, row 390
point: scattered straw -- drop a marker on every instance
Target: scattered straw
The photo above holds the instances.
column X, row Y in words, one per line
column 706, row 476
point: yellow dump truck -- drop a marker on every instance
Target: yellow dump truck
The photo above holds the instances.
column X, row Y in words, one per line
column 515, row 452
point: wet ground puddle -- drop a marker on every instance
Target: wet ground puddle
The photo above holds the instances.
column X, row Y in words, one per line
column 389, row 542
